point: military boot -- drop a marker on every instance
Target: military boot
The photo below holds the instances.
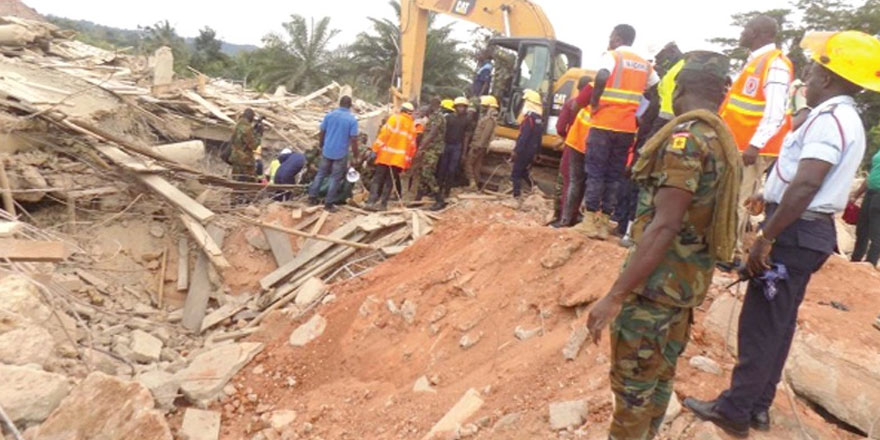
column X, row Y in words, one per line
column 603, row 227
column 588, row 226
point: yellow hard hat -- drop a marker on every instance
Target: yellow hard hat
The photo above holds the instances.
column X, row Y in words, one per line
column 489, row 101
column 407, row 106
column 461, row 100
column 448, row 104
column 532, row 96
column 853, row 55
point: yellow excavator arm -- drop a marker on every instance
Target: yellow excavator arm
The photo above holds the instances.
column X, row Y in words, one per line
column 512, row 18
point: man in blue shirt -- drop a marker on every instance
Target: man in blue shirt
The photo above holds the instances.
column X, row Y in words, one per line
column 339, row 131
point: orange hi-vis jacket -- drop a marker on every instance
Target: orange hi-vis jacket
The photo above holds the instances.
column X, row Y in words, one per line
column 580, row 129
column 743, row 109
column 396, row 144
column 623, row 93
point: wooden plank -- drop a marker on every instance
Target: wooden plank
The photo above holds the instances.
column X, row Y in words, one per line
column 8, row 229
column 350, row 243
column 213, row 109
column 200, row 287
column 160, row 281
column 182, row 264
column 284, row 272
column 313, row 95
column 8, row 202
column 204, row 240
column 94, row 280
column 280, row 244
column 416, row 226
column 221, row 314
column 316, row 230
column 122, row 158
column 32, row 251
column 177, row 198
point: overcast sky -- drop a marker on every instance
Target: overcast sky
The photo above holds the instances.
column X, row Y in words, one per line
column 585, row 24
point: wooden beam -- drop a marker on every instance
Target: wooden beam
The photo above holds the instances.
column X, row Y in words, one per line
column 213, row 109
column 200, row 287
column 177, row 198
column 182, row 264
column 224, row 312
column 203, row 239
column 32, row 251
column 328, row 238
column 94, row 280
column 313, row 95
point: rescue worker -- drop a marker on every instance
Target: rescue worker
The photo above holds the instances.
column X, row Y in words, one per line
column 689, row 175
column 243, row 145
column 623, row 78
column 531, row 127
column 756, row 109
column 575, row 149
column 483, row 135
column 808, row 185
column 483, row 77
column 394, row 147
column 427, row 156
column 566, row 120
column 458, row 125
column 668, row 63
column 339, row 132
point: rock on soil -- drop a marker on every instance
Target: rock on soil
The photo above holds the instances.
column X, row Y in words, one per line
column 673, row 410
column 163, row 385
column 281, row 419
column 310, row 291
column 200, row 425
column 203, row 380
column 466, row 407
column 564, row 415
column 145, row 347
column 29, row 395
column 257, row 239
column 107, row 408
column 723, row 319
column 422, row 385
column 21, row 297
column 23, row 342
column 706, row 365
column 309, row 331
column 507, row 422
column 575, row 341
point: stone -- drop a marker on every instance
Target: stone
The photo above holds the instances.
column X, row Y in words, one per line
column 705, row 431
column 329, row 299
column 257, row 239
column 559, row 253
column 145, row 347
column 310, row 291
column 507, row 422
column 392, row 307
column 706, row 365
column 282, row 419
column 408, row 311
column 157, row 231
column 523, row 334
column 229, row 390
column 422, row 385
column 468, row 430
column 575, row 341
column 163, row 385
column 105, row 363
column 29, row 395
column 564, row 415
column 469, row 340
column 309, row 331
column 203, row 380
column 465, row 408
column 107, row 408
column 673, row 410
column 200, row 425
column 722, row 319
column 20, row 296
column 24, row 342
column 839, row 375
column 162, row 63
column 438, row 313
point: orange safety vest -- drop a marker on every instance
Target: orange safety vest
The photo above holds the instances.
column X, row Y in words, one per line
column 743, row 108
column 396, row 144
column 623, row 93
column 577, row 134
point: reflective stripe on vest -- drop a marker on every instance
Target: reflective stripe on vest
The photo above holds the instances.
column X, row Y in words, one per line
column 396, row 144
column 743, row 109
column 666, row 90
column 577, row 134
column 623, row 94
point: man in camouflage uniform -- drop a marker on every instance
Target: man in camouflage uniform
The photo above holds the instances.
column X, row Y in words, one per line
column 483, row 135
column 244, row 144
column 424, row 168
column 688, row 175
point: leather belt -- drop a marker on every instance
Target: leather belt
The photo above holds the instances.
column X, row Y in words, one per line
column 808, row 215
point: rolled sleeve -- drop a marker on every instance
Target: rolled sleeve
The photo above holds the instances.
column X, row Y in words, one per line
column 824, row 140
column 776, row 93
column 681, row 164
column 353, row 130
column 324, row 122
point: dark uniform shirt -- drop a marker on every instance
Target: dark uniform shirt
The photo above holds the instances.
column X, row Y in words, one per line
column 457, row 126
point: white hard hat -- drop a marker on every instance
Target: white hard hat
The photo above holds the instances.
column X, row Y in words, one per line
column 353, row 175
column 286, row 151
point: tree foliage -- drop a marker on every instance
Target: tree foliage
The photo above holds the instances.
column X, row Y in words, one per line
column 164, row 34
column 207, row 55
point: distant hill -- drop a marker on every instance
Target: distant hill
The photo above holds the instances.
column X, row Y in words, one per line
column 18, row 9
column 104, row 36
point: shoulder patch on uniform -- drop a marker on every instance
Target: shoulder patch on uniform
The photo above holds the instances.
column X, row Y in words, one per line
column 679, row 140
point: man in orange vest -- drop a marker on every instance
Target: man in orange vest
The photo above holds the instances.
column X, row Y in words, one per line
column 757, row 110
column 394, row 147
column 575, row 149
column 623, row 79
column 567, row 122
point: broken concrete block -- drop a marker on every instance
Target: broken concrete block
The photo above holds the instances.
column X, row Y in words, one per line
column 257, row 239
column 705, row 431
column 523, row 334
column 469, row 340
column 723, row 319
column 163, row 385
column 280, row 420
column 575, row 341
column 203, row 380
column 466, row 407
column 705, row 364
column 564, row 415
column 507, row 422
column 408, row 311
column 145, row 347
column 673, row 410
column 310, row 291
column 19, row 295
column 29, row 395
column 438, row 313
column 22, row 342
column 422, row 385
column 108, row 408
column 309, row 331
column 200, row 425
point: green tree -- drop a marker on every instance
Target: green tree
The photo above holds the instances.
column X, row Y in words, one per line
column 300, row 60
column 207, row 56
column 163, row 34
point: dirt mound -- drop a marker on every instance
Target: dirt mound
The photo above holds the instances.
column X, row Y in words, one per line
column 478, row 304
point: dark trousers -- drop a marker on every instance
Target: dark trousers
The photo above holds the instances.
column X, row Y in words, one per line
column 562, row 183
column 448, row 166
column 384, row 178
column 627, row 199
column 766, row 327
column 868, row 229
column 575, row 187
column 521, row 164
column 605, row 164
column 335, row 170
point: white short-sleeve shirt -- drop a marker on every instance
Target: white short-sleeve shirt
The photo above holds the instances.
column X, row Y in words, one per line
column 609, row 62
column 833, row 133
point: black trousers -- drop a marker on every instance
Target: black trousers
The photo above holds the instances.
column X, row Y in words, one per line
column 577, row 180
column 384, row 178
column 868, row 230
column 766, row 327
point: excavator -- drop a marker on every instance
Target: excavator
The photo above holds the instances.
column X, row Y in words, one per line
column 543, row 63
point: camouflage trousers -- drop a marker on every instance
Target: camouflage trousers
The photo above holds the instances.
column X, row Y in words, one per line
column 474, row 165
column 646, row 340
column 424, row 175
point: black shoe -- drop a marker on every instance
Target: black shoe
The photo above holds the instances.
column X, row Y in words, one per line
column 313, row 201
column 439, row 206
column 706, row 411
column 761, row 421
column 331, row 208
column 730, row 267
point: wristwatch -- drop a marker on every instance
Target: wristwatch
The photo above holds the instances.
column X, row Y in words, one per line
column 762, row 237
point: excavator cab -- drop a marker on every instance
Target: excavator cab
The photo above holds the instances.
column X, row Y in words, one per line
column 550, row 67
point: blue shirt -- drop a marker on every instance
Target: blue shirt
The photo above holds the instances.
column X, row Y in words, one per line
column 291, row 165
column 339, row 126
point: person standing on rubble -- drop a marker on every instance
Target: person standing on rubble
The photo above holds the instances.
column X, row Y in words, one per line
column 424, row 169
column 531, row 128
column 689, row 176
column 483, row 135
column 339, row 132
column 459, row 126
column 244, row 144
column 809, row 184
column 395, row 148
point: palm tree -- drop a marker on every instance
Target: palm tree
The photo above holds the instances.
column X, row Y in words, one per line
column 302, row 61
column 164, row 34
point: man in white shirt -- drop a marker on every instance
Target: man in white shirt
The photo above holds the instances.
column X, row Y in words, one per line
column 808, row 185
